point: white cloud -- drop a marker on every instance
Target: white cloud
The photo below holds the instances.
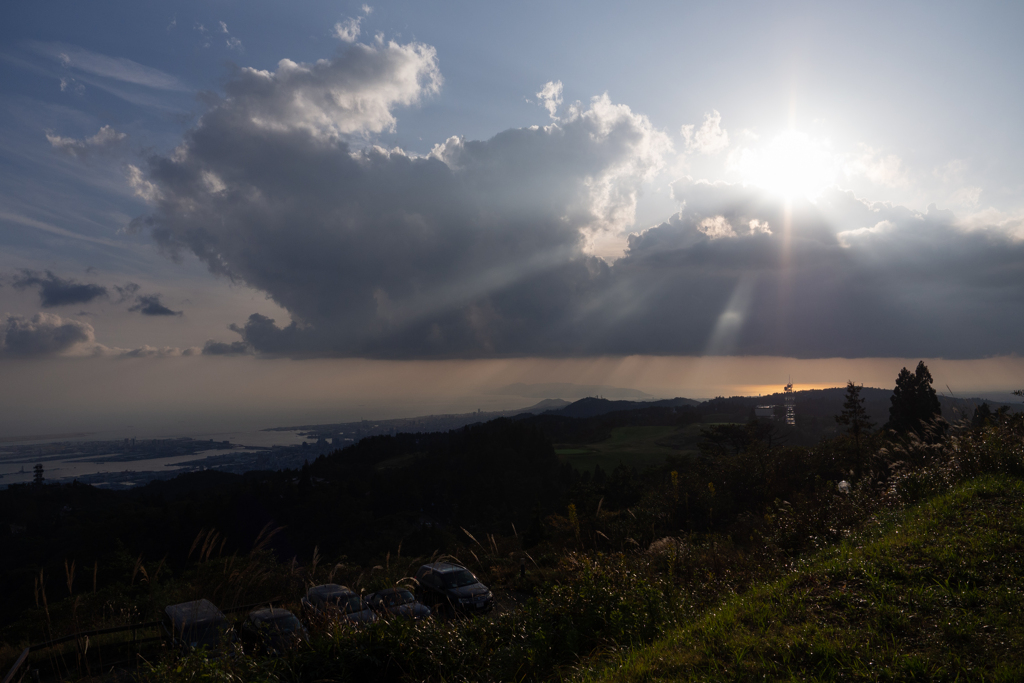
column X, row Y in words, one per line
column 710, row 138
column 716, row 227
column 143, row 188
column 993, row 220
column 847, row 238
column 758, row 226
column 348, row 30
column 223, row 27
column 968, row 196
column 105, row 138
column 353, row 94
column 551, row 97
column 885, row 170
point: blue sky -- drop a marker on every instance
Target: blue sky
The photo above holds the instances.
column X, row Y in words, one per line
column 454, row 181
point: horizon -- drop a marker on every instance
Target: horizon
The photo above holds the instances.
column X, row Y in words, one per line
column 197, row 402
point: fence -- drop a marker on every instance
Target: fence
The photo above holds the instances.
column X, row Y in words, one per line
column 83, row 636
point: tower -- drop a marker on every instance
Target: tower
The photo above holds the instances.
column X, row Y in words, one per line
column 790, row 405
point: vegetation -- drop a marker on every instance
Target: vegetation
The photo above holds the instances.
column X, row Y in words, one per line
column 914, row 403
column 933, row 593
column 742, row 559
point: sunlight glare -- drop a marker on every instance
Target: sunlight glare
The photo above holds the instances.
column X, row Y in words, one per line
column 792, row 165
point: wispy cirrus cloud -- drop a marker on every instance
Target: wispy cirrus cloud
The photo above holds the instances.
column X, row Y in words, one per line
column 116, row 68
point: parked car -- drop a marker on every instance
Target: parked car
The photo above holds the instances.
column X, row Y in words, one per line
column 272, row 630
column 398, row 601
column 330, row 599
column 443, row 585
column 196, row 624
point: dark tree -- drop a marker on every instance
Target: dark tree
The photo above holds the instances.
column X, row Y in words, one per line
column 37, row 474
column 982, row 414
column 854, row 417
column 914, row 402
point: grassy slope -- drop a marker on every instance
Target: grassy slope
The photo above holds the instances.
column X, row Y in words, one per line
column 936, row 593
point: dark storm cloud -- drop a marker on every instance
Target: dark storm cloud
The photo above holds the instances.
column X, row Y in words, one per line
column 55, row 291
column 839, row 277
column 149, row 304
column 42, row 335
column 216, row 348
column 480, row 249
column 146, row 304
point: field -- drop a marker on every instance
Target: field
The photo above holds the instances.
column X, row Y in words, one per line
column 638, row 447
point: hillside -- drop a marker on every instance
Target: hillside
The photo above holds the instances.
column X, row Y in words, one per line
column 934, row 593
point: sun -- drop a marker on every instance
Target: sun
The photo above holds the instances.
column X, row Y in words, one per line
column 792, row 165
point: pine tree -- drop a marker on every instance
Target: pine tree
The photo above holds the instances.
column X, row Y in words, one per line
column 855, row 417
column 914, row 402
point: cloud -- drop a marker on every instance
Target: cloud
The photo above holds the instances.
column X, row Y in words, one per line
column 232, row 42
column 149, row 304
column 216, row 348
column 104, row 139
column 44, row 334
column 205, row 35
column 351, row 95
column 127, row 292
column 117, row 68
column 716, row 227
column 885, row 170
column 710, row 138
column 1010, row 224
column 146, row 304
column 155, row 352
column 55, row 291
column 371, row 247
column 482, row 247
column 348, row 30
column 143, row 189
column 551, row 97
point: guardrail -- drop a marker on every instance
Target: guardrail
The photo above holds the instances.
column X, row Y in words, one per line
column 17, row 665
column 113, row 629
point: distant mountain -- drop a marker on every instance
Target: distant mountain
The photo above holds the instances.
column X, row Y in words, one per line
column 816, row 403
column 342, row 433
column 592, row 407
column 547, row 405
column 566, row 390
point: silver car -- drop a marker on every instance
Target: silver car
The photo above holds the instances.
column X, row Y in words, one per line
column 331, row 600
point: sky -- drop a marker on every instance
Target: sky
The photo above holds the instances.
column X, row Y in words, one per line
column 238, row 212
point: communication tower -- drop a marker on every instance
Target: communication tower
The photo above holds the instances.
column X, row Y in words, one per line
column 790, row 404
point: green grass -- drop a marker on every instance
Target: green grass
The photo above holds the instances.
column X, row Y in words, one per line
column 935, row 593
column 638, row 447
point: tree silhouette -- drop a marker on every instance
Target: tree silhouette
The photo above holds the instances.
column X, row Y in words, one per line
column 855, row 417
column 913, row 403
column 37, row 474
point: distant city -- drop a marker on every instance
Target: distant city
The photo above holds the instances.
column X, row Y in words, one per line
column 129, row 462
